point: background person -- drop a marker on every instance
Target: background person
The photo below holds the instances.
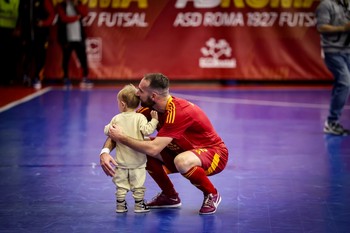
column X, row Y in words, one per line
column 333, row 23
column 71, row 36
column 35, row 20
column 9, row 42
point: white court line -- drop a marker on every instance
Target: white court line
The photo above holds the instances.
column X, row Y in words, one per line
column 24, row 99
column 199, row 98
column 255, row 102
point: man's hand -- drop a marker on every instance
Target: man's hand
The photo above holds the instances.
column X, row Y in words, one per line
column 107, row 163
column 115, row 133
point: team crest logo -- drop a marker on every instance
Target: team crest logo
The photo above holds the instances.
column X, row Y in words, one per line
column 94, row 49
column 217, row 54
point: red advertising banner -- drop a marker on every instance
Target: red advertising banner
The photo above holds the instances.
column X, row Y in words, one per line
column 199, row 40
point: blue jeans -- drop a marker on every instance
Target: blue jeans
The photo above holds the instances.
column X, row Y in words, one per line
column 339, row 65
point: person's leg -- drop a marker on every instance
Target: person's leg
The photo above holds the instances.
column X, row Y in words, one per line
column 40, row 58
column 211, row 161
column 137, row 178
column 338, row 64
column 122, row 187
column 156, row 170
column 27, row 58
column 196, row 175
column 8, row 55
column 66, row 54
column 196, row 165
column 168, row 198
column 80, row 50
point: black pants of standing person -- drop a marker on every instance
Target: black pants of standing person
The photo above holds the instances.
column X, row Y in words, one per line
column 80, row 50
column 9, row 49
column 34, row 56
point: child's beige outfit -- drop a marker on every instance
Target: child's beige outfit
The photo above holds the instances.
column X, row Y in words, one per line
column 130, row 172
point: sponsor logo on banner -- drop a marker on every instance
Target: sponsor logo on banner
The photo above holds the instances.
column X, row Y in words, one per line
column 216, row 54
column 94, row 50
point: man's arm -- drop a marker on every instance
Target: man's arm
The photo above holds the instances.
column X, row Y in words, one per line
column 151, row 148
column 327, row 28
column 106, row 160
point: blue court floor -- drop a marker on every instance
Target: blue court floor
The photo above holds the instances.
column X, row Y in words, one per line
column 284, row 175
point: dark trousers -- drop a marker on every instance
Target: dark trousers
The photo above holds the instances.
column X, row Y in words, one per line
column 80, row 51
column 34, row 56
column 9, row 49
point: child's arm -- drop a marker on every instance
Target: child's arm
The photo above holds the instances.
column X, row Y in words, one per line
column 154, row 115
column 150, row 126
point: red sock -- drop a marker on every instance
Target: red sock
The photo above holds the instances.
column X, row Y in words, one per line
column 198, row 178
column 156, row 171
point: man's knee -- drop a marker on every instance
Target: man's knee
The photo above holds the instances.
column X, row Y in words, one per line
column 183, row 162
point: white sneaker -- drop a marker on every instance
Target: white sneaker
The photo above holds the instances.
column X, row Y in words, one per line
column 335, row 128
column 86, row 83
column 37, row 85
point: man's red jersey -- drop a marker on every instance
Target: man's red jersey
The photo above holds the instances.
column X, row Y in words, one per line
column 187, row 124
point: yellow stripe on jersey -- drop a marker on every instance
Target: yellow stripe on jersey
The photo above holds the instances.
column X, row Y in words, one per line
column 214, row 164
column 199, row 151
column 171, row 111
column 142, row 109
column 190, row 172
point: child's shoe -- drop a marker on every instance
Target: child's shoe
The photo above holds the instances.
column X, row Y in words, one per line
column 121, row 207
column 140, row 207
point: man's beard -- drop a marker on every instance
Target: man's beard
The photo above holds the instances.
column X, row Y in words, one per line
column 148, row 103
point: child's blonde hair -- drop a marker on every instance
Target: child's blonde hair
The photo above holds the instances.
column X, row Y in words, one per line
column 128, row 96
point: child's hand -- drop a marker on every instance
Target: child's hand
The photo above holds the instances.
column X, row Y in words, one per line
column 154, row 114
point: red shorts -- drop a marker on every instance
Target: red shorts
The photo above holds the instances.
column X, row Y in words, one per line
column 213, row 159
